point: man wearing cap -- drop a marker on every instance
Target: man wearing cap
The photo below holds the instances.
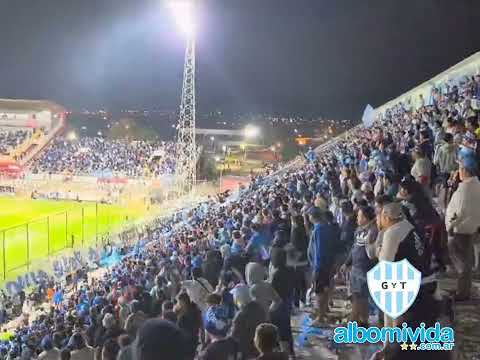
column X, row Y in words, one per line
column 221, row 347
column 462, row 219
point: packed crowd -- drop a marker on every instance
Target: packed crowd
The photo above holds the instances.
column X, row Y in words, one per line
column 10, row 139
column 97, row 156
column 221, row 280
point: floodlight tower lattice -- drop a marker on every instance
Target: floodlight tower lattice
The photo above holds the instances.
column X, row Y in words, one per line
column 185, row 173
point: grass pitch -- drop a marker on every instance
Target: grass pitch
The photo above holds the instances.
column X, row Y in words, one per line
column 34, row 229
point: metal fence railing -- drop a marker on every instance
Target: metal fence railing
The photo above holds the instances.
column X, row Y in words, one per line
column 22, row 245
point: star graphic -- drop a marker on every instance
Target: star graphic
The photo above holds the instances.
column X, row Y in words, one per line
column 404, row 346
column 413, row 346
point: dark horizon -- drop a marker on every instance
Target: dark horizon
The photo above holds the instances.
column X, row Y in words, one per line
column 292, row 57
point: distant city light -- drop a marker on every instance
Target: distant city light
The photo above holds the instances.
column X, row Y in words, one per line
column 251, row 131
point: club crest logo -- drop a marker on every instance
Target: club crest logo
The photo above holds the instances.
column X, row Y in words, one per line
column 394, row 286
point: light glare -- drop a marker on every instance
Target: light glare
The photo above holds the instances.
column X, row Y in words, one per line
column 251, row 131
column 183, row 14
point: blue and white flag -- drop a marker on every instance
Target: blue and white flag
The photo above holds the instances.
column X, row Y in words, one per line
column 368, row 116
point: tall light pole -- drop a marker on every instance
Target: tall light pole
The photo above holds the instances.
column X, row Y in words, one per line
column 186, row 150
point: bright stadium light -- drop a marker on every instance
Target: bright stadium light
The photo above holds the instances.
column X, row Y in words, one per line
column 71, row 136
column 251, row 131
column 183, row 13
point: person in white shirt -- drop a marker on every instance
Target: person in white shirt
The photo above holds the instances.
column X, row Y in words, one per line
column 462, row 220
column 422, row 169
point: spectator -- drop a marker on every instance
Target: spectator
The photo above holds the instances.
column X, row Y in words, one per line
column 49, row 352
column 249, row 316
column 462, row 220
column 221, row 346
column 80, row 351
column 321, row 265
column 266, row 341
column 110, row 350
column 198, row 288
column 297, row 258
column 360, row 263
column 161, row 338
column 400, row 241
column 283, row 283
column 136, row 318
column 260, row 290
column 446, row 158
column 189, row 319
column 422, row 168
column 65, row 355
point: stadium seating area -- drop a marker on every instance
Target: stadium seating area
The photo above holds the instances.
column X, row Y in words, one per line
column 98, row 156
column 233, row 268
column 10, row 139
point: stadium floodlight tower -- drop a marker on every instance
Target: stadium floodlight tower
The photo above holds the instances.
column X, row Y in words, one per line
column 183, row 12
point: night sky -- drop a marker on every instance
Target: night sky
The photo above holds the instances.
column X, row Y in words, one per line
column 306, row 57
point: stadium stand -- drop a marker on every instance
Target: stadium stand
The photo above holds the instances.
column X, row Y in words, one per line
column 11, row 139
column 232, row 264
column 26, row 126
column 97, row 156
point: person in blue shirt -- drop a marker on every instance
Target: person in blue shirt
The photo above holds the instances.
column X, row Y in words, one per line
column 256, row 244
column 311, row 156
column 319, row 258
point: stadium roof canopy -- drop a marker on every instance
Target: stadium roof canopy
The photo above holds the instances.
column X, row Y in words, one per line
column 17, row 105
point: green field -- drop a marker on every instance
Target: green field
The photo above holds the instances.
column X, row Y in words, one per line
column 34, row 229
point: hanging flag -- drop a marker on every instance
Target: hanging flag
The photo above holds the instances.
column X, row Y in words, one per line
column 368, row 116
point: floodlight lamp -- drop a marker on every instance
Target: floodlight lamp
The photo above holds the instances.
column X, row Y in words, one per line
column 251, row 131
column 72, row 136
column 183, row 14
